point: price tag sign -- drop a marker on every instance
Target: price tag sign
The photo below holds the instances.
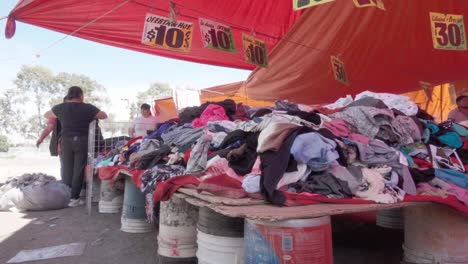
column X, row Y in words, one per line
column 301, row 4
column 448, row 31
column 163, row 33
column 254, row 50
column 216, row 36
column 370, row 3
column 339, row 71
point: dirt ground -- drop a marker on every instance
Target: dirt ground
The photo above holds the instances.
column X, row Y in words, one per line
column 105, row 243
column 354, row 242
column 28, row 160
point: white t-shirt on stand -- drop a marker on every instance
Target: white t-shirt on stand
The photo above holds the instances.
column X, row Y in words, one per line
column 141, row 125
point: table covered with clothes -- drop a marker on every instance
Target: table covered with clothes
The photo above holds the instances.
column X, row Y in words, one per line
column 378, row 148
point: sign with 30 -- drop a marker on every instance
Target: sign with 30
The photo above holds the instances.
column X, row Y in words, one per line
column 255, row 50
column 339, row 71
column 300, row 4
column 163, row 33
column 448, row 31
column 216, row 36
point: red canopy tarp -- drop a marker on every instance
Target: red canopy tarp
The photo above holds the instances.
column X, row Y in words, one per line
column 123, row 27
column 383, row 50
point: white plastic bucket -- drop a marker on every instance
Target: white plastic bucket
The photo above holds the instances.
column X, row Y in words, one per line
column 110, row 199
column 218, row 249
column 129, row 225
column 435, row 234
column 133, row 214
column 390, row 218
column 291, row 241
column 177, row 238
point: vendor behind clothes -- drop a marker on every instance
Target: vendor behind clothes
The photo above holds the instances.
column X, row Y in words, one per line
column 460, row 114
column 144, row 123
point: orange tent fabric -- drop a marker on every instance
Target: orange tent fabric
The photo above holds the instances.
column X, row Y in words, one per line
column 387, row 50
column 165, row 109
column 234, row 91
column 441, row 104
column 443, row 99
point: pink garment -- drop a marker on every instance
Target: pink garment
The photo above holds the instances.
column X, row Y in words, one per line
column 212, row 113
column 256, row 170
column 359, row 138
column 218, row 166
column 338, row 127
column 460, row 193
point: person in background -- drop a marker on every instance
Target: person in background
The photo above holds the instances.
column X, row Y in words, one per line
column 74, row 116
column 144, row 123
column 460, row 114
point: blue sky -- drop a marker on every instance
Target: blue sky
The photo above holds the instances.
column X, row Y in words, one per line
column 121, row 71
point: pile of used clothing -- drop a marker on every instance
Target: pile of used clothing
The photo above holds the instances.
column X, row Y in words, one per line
column 34, row 191
column 379, row 147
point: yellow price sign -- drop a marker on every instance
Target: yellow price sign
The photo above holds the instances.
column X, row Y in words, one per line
column 162, row 32
column 254, row 50
column 339, row 70
column 216, row 35
column 300, row 4
column 448, row 31
column 369, row 3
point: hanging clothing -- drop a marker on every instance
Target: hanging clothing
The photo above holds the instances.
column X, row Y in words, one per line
column 273, row 166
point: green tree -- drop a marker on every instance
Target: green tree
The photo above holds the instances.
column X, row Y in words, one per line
column 4, row 146
column 35, row 84
column 94, row 93
column 38, row 86
column 155, row 91
column 30, row 128
column 8, row 114
column 134, row 109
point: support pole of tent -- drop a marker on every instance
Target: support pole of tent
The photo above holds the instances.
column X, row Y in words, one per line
column 441, row 103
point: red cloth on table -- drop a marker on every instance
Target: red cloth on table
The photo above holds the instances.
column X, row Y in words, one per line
column 223, row 185
column 423, row 164
column 164, row 190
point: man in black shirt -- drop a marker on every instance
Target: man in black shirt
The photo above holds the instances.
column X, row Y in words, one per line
column 74, row 116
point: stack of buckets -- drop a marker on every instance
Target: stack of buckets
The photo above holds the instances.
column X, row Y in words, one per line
column 291, row 241
column 177, row 238
column 110, row 198
column 390, row 218
column 133, row 218
column 228, row 240
column 220, row 238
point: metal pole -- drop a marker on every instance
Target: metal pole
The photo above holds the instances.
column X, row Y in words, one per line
column 90, row 166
